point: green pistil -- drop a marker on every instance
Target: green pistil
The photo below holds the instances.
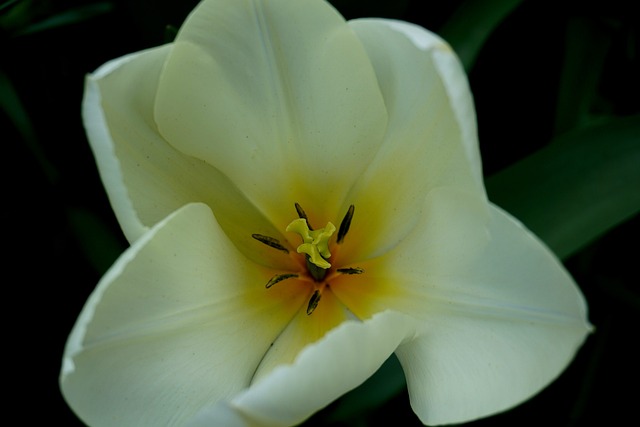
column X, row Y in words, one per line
column 315, row 243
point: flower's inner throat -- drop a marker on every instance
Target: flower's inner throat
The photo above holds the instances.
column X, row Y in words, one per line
column 317, row 266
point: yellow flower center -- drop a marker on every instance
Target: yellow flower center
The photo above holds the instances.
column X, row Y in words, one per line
column 315, row 244
column 315, row 247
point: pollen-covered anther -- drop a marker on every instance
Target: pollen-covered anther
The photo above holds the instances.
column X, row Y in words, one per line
column 302, row 214
column 279, row 278
column 345, row 224
column 270, row 241
column 313, row 301
column 350, row 270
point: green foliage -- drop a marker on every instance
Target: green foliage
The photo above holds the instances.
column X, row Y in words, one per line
column 471, row 25
column 578, row 187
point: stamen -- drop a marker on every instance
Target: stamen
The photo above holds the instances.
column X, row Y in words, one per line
column 345, row 224
column 350, row 270
column 270, row 241
column 279, row 278
column 313, row 302
column 303, row 214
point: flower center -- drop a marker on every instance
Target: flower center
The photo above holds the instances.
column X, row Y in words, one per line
column 315, row 244
column 315, row 248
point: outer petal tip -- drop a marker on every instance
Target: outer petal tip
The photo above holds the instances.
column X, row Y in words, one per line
column 500, row 329
column 453, row 75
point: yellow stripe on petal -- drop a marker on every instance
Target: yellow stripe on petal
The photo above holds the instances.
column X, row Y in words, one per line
column 303, row 330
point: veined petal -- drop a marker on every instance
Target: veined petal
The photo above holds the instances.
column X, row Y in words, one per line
column 279, row 96
column 500, row 323
column 339, row 362
column 179, row 322
column 145, row 177
column 431, row 136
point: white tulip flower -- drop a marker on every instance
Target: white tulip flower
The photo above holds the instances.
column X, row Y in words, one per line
column 304, row 197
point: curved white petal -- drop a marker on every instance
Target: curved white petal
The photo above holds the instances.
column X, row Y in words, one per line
column 222, row 414
column 455, row 80
column 145, row 177
column 179, row 322
column 103, row 145
column 431, row 137
column 339, row 362
column 279, row 96
column 498, row 326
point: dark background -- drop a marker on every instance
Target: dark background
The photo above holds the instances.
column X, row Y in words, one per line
column 63, row 235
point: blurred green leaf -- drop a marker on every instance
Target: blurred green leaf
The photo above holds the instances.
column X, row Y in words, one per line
column 575, row 189
column 586, row 45
column 11, row 104
column 170, row 33
column 71, row 16
column 387, row 382
column 15, row 15
column 7, row 4
column 96, row 239
column 471, row 24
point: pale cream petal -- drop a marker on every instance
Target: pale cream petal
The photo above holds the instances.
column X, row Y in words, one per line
column 500, row 316
column 224, row 415
column 467, row 367
column 430, row 134
column 453, row 229
column 279, row 96
column 499, row 325
column 145, row 177
column 181, row 321
column 339, row 362
column 104, row 146
column 455, row 80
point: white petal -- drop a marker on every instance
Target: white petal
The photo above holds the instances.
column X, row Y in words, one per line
column 102, row 142
column 145, row 177
column 455, row 80
column 341, row 361
column 279, row 96
column 498, row 326
column 222, row 414
column 179, row 322
column 430, row 135
column 452, row 230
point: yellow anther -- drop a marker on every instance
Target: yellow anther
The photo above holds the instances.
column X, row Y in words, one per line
column 315, row 243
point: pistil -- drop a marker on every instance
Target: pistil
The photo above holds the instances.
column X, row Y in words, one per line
column 315, row 247
column 315, row 243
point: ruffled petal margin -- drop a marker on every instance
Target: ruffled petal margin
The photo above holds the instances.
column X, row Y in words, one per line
column 323, row 371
